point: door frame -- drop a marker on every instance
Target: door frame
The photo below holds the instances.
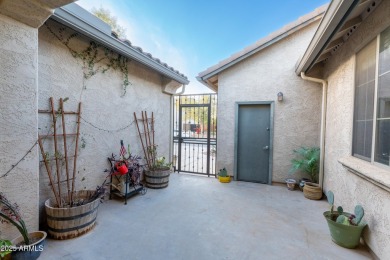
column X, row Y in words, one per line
column 271, row 136
column 208, row 139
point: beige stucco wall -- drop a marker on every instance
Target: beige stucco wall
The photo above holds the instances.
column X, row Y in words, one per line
column 259, row 78
column 60, row 75
column 350, row 189
column 18, row 119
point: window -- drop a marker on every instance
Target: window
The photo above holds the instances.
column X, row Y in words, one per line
column 371, row 129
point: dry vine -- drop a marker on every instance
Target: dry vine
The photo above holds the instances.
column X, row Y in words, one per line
column 90, row 57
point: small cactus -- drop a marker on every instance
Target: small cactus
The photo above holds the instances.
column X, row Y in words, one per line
column 222, row 173
column 330, row 197
column 359, row 213
column 353, row 219
column 342, row 220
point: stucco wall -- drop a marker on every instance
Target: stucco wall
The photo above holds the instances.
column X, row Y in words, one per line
column 350, row 189
column 18, row 119
column 60, row 75
column 260, row 78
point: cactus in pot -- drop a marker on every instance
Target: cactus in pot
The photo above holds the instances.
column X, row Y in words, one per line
column 345, row 228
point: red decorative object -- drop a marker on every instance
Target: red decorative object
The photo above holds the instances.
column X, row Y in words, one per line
column 121, row 168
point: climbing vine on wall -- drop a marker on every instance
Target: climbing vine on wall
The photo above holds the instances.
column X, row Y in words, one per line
column 95, row 58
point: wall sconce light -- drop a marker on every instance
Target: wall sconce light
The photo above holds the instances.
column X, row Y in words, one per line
column 280, row 96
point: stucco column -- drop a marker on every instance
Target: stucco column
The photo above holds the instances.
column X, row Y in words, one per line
column 19, row 22
column 18, row 119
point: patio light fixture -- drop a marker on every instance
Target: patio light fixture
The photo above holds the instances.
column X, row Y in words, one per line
column 280, row 96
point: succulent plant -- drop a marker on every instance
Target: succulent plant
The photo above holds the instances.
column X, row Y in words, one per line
column 222, row 172
column 359, row 213
column 345, row 218
column 330, row 197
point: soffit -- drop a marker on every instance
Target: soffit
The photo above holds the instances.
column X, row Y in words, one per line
column 342, row 18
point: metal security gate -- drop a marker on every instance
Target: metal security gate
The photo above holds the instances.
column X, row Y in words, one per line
column 195, row 133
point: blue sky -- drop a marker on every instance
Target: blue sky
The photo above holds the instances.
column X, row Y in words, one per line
column 192, row 35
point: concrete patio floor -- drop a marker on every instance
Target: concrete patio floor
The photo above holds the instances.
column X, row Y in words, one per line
column 199, row 218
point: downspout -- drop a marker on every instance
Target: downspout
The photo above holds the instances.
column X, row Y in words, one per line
column 323, row 124
column 171, row 118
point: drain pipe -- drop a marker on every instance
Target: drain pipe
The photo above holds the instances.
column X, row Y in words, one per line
column 172, row 119
column 323, row 123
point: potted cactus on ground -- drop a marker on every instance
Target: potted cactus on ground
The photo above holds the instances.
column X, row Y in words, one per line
column 345, row 228
column 223, row 176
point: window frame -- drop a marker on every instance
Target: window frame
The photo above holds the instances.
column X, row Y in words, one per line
column 375, row 109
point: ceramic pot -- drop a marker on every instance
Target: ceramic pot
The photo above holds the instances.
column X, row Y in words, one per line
column 302, row 183
column 28, row 252
column 344, row 235
column 290, row 183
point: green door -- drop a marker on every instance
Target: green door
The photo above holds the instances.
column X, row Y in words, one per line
column 253, row 142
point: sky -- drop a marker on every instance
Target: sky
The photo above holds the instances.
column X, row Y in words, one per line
column 192, row 35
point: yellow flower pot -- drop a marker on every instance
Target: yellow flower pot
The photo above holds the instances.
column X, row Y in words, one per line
column 224, row 179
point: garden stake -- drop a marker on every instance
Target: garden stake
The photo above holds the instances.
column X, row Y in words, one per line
column 48, row 170
column 75, row 153
column 65, row 147
column 56, row 150
column 151, row 148
column 140, row 137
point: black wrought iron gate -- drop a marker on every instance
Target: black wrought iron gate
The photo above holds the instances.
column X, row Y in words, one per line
column 195, row 133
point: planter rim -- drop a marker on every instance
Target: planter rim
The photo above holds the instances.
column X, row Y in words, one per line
column 313, row 184
column 290, row 180
column 327, row 215
column 159, row 169
column 29, row 233
column 47, row 203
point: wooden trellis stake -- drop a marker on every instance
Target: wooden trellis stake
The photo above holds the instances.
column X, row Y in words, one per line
column 147, row 142
column 56, row 186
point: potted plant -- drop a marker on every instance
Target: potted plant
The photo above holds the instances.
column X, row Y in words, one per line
column 307, row 160
column 27, row 245
column 158, row 171
column 223, row 176
column 290, row 183
column 345, row 228
column 5, row 249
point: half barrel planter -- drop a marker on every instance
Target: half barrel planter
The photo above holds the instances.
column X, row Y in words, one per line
column 157, row 179
column 66, row 223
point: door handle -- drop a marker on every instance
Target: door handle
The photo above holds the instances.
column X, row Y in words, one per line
column 266, row 147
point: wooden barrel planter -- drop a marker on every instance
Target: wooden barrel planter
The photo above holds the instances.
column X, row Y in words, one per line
column 157, row 179
column 66, row 223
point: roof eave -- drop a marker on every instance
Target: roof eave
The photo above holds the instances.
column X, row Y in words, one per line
column 216, row 69
column 207, row 84
column 69, row 16
column 332, row 21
